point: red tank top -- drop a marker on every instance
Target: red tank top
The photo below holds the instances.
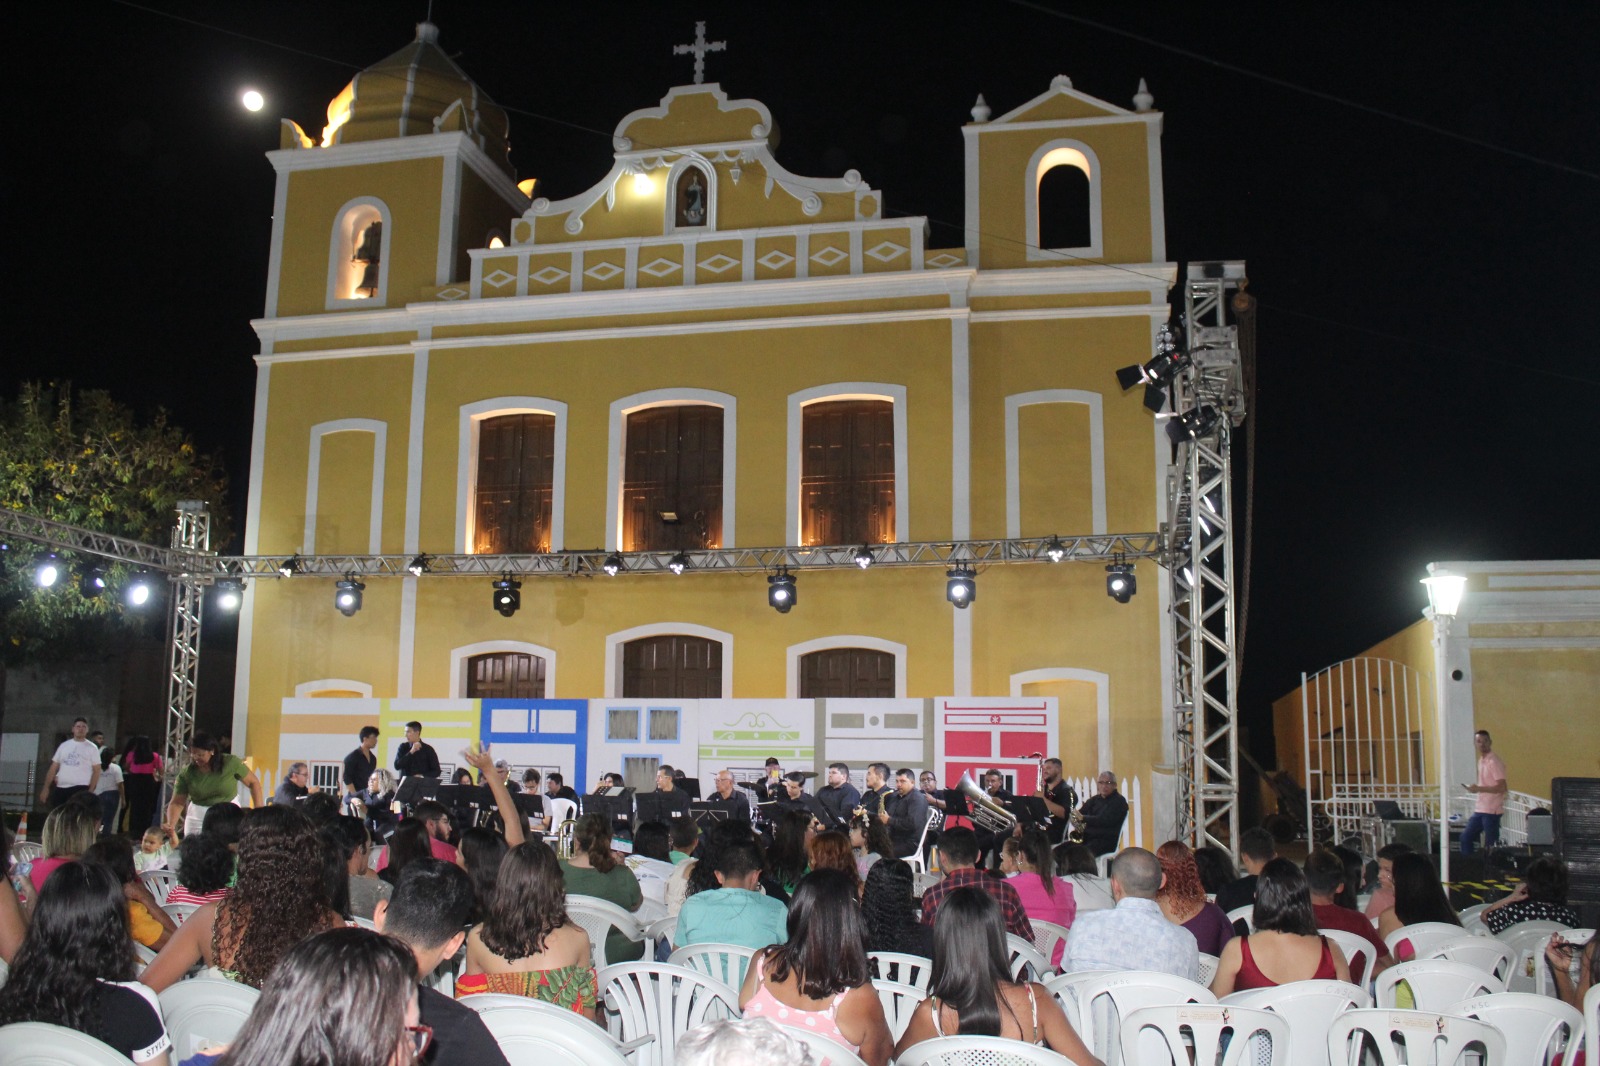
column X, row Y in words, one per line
column 1250, row 975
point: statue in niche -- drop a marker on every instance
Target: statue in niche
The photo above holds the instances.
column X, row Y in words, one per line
column 691, row 199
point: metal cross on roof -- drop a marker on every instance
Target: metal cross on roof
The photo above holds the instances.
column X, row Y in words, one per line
column 698, row 49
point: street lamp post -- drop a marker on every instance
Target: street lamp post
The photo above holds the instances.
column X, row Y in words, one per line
column 1444, row 598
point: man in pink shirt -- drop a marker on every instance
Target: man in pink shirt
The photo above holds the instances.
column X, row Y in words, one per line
column 1491, row 793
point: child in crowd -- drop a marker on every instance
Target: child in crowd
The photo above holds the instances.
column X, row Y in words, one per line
column 155, row 849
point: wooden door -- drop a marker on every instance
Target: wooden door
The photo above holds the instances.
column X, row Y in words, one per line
column 516, row 467
column 505, row 675
column 673, row 459
column 847, row 472
column 672, row 667
column 846, row 672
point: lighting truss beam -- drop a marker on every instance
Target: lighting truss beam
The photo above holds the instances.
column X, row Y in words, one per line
column 20, row 525
column 191, row 539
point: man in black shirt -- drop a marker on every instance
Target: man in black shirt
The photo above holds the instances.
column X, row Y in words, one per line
column 1059, row 800
column 1256, row 849
column 360, row 764
column 294, row 786
column 839, row 797
column 416, row 759
column 1103, row 815
column 428, row 913
column 556, row 787
column 675, row 799
column 878, row 787
column 905, row 812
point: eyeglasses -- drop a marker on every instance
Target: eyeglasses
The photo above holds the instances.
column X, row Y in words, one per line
column 421, row 1037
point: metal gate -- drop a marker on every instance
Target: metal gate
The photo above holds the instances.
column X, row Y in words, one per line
column 1363, row 725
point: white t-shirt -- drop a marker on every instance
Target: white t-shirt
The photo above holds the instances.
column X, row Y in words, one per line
column 78, row 759
column 110, row 778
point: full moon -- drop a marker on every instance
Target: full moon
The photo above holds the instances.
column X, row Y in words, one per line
column 252, row 100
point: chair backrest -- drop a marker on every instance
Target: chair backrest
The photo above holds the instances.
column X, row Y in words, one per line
column 1021, row 956
column 900, row 1002
column 1245, row 914
column 825, row 1051
column 978, row 1051
column 1536, row 1028
column 1201, row 1026
column 1308, row 1007
column 526, row 1035
column 921, row 881
column 1484, row 952
column 1357, row 951
column 201, row 1015
column 1591, row 1024
column 561, row 810
column 482, row 1001
column 1525, row 939
column 26, row 851
column 179, row 912
column 725, row 962
column 1047, row 936
column 38, row 1044
column 376, row 852
column 916, row 859
column 1436, row 985
column 1422, row 936
column 907, row 969
column 1104, row 1003
column 1411, row 1036
column 159, row 882
column 598, row 917
column 1208, row 968
column 5, row 969
column 1543, row 983
column 1472, row 920
column 1065, row 987
column 663, row 1000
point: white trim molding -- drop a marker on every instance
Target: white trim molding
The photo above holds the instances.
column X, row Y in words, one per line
column 1097, row 454
column 625, row 406
column 469, row 422
column 615, row 641
column 341, row 247
column 1063, row 151
column 795, row 652
column 306, row 689
column 846, row 390
column 380, row 435
column 459, row 657
column 1102, row 698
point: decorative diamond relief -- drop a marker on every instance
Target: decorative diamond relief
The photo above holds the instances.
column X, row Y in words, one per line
column 660, row 267
column 452, row 293
column 718, row 264
column 944, row 259
column 829, row 256
column 886, row 251
column 499, row 279
column 549, row 275
column 603, row 271
column 776, row 259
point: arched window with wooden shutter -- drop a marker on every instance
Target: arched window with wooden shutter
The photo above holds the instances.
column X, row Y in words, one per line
column 514, row 488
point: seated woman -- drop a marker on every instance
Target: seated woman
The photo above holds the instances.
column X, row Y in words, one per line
column 281, row 898
column 971, row 992
column 1090, row 891
column 410, row 840
column 1183, row 899
column 869, row 840
column 362, row 885
column 1216, row 869
column 819, row 980
column 594, row 870
column 787, row 861
column 892, row 915
column 1542, row 896
column 376, row 804
column 1285, row 945
column 651, row 859
column 526, row 944
column 68, row 832
column 149, row 924
column 831, row 851
column 1029, row 865
column 76, row 966
column 207, row 860
column 367, row 1017
column 1418, row 897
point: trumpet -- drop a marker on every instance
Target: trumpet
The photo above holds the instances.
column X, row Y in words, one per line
column 986, row 813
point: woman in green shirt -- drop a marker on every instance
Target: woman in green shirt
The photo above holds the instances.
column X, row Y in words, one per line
column 594, row 871
column 210, row 778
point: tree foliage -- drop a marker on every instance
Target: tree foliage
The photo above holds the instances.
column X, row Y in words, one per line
column 84, row 459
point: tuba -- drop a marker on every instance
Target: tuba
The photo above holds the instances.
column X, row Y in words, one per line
column 986, row 813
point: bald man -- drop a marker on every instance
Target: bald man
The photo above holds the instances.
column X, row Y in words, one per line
column 1133, row 935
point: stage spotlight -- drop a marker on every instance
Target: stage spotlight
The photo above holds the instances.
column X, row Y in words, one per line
column 290, row 566
column 507, row 595
column 91, row 582
column 1055, row 551
column 781, row 593
column 422, row 564
column 614, row 564
column 347, row 595
column 962, row 586
column 865, row 557
column 48, row 572
column 1120, row 582
column 678, row 563
column 1158, row 372
column 138, row 592
column 1192, row 425
column 230, row 593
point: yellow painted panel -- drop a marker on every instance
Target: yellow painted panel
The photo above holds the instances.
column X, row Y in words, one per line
column 1540, row 708
column 344, row 493
column 1078, row 705
column 1536, row 629
column 725, row 259
column 353, row 340
column 608, row 267
column 1067, row 299
column 885, row 250
column 828, row 254
column 656, row 269
column 1055, row 479
column 500, row 275
column 776, row 266
column 550, row 273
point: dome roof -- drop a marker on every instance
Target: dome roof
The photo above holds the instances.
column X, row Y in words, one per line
column 419, row 90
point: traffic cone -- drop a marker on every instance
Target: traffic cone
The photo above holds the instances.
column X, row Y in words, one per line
column 22, row 826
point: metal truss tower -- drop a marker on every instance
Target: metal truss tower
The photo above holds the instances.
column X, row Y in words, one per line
column 1210, row 390
column 191, row 542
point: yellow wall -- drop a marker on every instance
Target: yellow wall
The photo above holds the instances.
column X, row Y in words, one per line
column 1542, row 709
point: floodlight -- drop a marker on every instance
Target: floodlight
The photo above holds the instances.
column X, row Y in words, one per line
column 507, row 596
column 1120, row 581
column 614, row 564
column 91, row 582
column 1193, row 424
column 347, row 595
column 961, row 588
column 138, row 592
column 1444, row 592
column 865, row 557
column 781, row 593
column 290, row 566
column 230, row 593
column 48, row 572
column 422, row 564
column 1055, row 551
column 678, row 563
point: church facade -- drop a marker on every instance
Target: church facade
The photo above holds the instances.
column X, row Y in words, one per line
column 704, row 351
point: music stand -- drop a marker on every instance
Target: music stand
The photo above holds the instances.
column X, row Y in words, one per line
column 414, row 789
column 691, row 785
column 1030, row 810
column 528, row 805
column 651, row 807
column 616, row 805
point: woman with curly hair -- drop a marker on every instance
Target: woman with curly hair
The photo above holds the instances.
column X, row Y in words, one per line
column 891, row 913
column 280, row 899
column 76, row 966
column 869, row 841
column 831, row 851
column 1183, row 899
column 207, row 862
column 526, row 944
column 594, row 870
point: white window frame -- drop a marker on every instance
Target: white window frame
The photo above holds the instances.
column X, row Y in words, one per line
column 468, row 425
column 1097, row 455
column 794, row 652
column 340, row 249
column 380, row 443
column 615, row 641
column 1062, row 152
column 847, row 390
column 676, row 397
column 460, row 655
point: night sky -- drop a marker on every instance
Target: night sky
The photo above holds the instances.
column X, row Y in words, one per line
column 1426, row 335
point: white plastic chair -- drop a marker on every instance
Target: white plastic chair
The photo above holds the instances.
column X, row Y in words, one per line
column 1524, row 938
column 159, row 882
column 1104, row 1003
column 5, row 969
column 666, row 1001
column 1543, row 983
column 907, row 969
column 1065, row 987
column 26, row 851
column 179, row 912
column 662, row 929
column 1201, row 1026
column 1309, row 1007
column 482, row 1001
column 978, row 1051
column 534, row 1038
column 921, row 882
column 1411, row 1036
column 1436, row 985
column 1022, row 955
column 1536, row 1028
column 725, row 962
column 916, row 860
column 38, row 1044
column 560, row 810
column 1354, row 947
column 1208, row 968
column 900, row 1002
column 1246, row 914
column 824, row 1050
column 1046, row 937
column 1472, row 920
column 1422, row 935
column 201, row 1015
column 1591, row 1024
column 1484, row 952
column 598, row 917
